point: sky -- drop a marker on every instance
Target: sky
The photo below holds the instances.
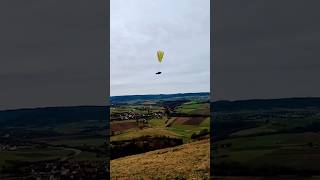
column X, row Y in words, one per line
column 138, row 28
column 53, row 53
column 266, row 49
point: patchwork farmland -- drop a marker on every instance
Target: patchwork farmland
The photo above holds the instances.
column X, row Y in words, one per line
column 146, row 124
column 53, row 143
column 264, row 138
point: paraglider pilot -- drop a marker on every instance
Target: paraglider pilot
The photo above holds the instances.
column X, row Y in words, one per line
column 160, row 55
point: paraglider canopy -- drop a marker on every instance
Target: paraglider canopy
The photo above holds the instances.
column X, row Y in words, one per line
column 160, row 55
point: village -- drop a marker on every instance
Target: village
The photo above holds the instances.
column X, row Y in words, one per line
column 9, row 144
column 136, row 116
column 60, row 170
column 51, row 169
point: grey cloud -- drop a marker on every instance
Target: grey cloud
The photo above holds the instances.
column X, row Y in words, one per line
column 140, row 28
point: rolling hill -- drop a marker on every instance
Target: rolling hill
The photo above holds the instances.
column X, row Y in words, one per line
column 154, row 97
column 188, row 161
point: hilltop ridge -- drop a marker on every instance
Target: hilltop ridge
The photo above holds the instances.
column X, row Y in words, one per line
column 135, row 98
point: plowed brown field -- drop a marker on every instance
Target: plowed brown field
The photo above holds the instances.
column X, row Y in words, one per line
column 188, row 120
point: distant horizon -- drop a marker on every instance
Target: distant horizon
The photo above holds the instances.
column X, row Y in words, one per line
column 45, row 107
column 257, row 99
column 235, row 100
column 151, row 94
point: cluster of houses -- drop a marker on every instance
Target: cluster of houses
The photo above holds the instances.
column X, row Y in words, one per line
column 6, row 147
column 55, row 169
column 7, row 144
column 135, row 116
column 59, row 170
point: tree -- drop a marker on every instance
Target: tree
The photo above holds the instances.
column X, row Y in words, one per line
column 193, row 136
column 203, row 132
column 167, row 112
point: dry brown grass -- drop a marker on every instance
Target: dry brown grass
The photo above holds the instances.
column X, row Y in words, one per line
column 188, row 161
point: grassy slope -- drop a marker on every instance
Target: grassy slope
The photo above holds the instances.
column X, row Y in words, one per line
column 148, row 131
column 185, row 161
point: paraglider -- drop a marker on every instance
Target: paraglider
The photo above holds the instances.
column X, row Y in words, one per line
column 160, row 55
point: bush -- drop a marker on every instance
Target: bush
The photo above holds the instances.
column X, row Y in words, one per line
column 203, row 132
column 194, row 135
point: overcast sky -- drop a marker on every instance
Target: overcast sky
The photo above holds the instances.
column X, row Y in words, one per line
column 181, row 28
column 266, row 49
column 53, row 53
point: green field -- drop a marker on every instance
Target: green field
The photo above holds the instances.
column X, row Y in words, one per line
column 32, row 155
column 193, row 107
column 145, row 132
column 267, row 142
column 38, row 141
column 165, row 126
column 157, row 127
column 74, row 142
column 285, row 150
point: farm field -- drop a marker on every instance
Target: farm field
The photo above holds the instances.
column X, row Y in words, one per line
column 272, row 138
column 44, row 142
column 146, row 126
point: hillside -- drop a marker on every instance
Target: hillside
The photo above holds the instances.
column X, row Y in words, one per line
column 266, row 137
column 181, row 162
column 267, row 104
column 56, row 138
column 52, row 115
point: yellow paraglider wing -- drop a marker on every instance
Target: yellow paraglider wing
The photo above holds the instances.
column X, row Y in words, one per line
column 160, row 55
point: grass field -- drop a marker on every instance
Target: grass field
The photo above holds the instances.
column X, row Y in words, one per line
column 32, row 155
column 157, row 122
column 78, row 127
column 267, row 141
column 157, row 127
column 38, row 141
column 129, row 129
column 188, row 161
column 84, row 156
column 300, row 151
column 145, row 132
column 74, row 142
column 193, row 107
column 185, row 131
